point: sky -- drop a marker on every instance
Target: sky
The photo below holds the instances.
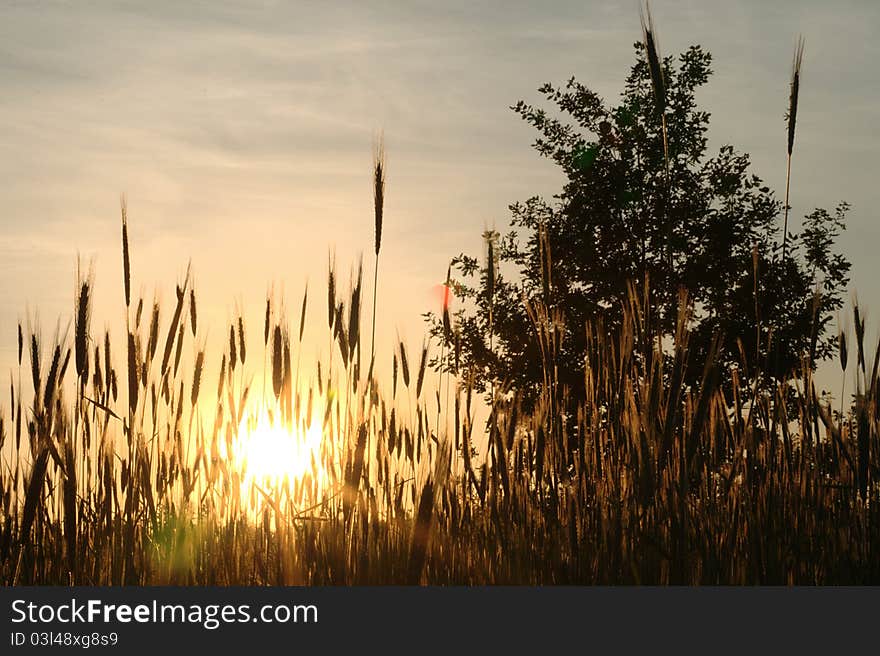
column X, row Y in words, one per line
column 241, row 135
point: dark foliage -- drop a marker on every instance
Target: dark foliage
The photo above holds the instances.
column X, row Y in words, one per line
column 709, row 225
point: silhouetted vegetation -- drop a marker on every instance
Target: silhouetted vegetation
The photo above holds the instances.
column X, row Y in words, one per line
column 647, row 347
column 644, row 201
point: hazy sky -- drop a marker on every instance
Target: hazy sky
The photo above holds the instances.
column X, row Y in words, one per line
column 241, row 134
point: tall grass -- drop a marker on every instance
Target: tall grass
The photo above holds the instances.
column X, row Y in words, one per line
column 133, row 472
column 653, row 482
column 791, row 124
column 378, row 215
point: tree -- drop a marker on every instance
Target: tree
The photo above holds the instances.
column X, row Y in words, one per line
column 701, row 223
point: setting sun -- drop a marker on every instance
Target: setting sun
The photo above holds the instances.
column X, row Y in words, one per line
column 269, row 452
column 450, row 294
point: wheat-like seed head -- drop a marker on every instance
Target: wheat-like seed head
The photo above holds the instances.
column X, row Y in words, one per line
column 379, row 189
column 404, row 363
column 652, row 51
column 153, row 339
column 126, row 259
column 193, row 316
column 132, row 374
column 791, row 117
column 172, row 331
column 423, row 361
column 447, row 322
column 331, row 290
column 354, row 311
column 233, row 351
column 302, row 315
column 83, row 318
column 268, row 319
column 277, row 361
column 197, row 377
column 241, row 341
column 491, row 275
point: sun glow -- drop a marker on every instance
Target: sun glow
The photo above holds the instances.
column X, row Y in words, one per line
column 271, row 453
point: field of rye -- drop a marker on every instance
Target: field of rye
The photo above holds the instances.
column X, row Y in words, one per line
column 137, row 472
column 122, row 464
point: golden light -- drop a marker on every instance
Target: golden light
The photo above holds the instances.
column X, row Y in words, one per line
column 270, row 452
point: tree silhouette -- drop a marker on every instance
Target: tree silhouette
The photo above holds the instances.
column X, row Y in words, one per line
column 701, row 223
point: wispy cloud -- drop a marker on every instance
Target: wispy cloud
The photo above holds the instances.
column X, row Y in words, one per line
column 246, row 127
